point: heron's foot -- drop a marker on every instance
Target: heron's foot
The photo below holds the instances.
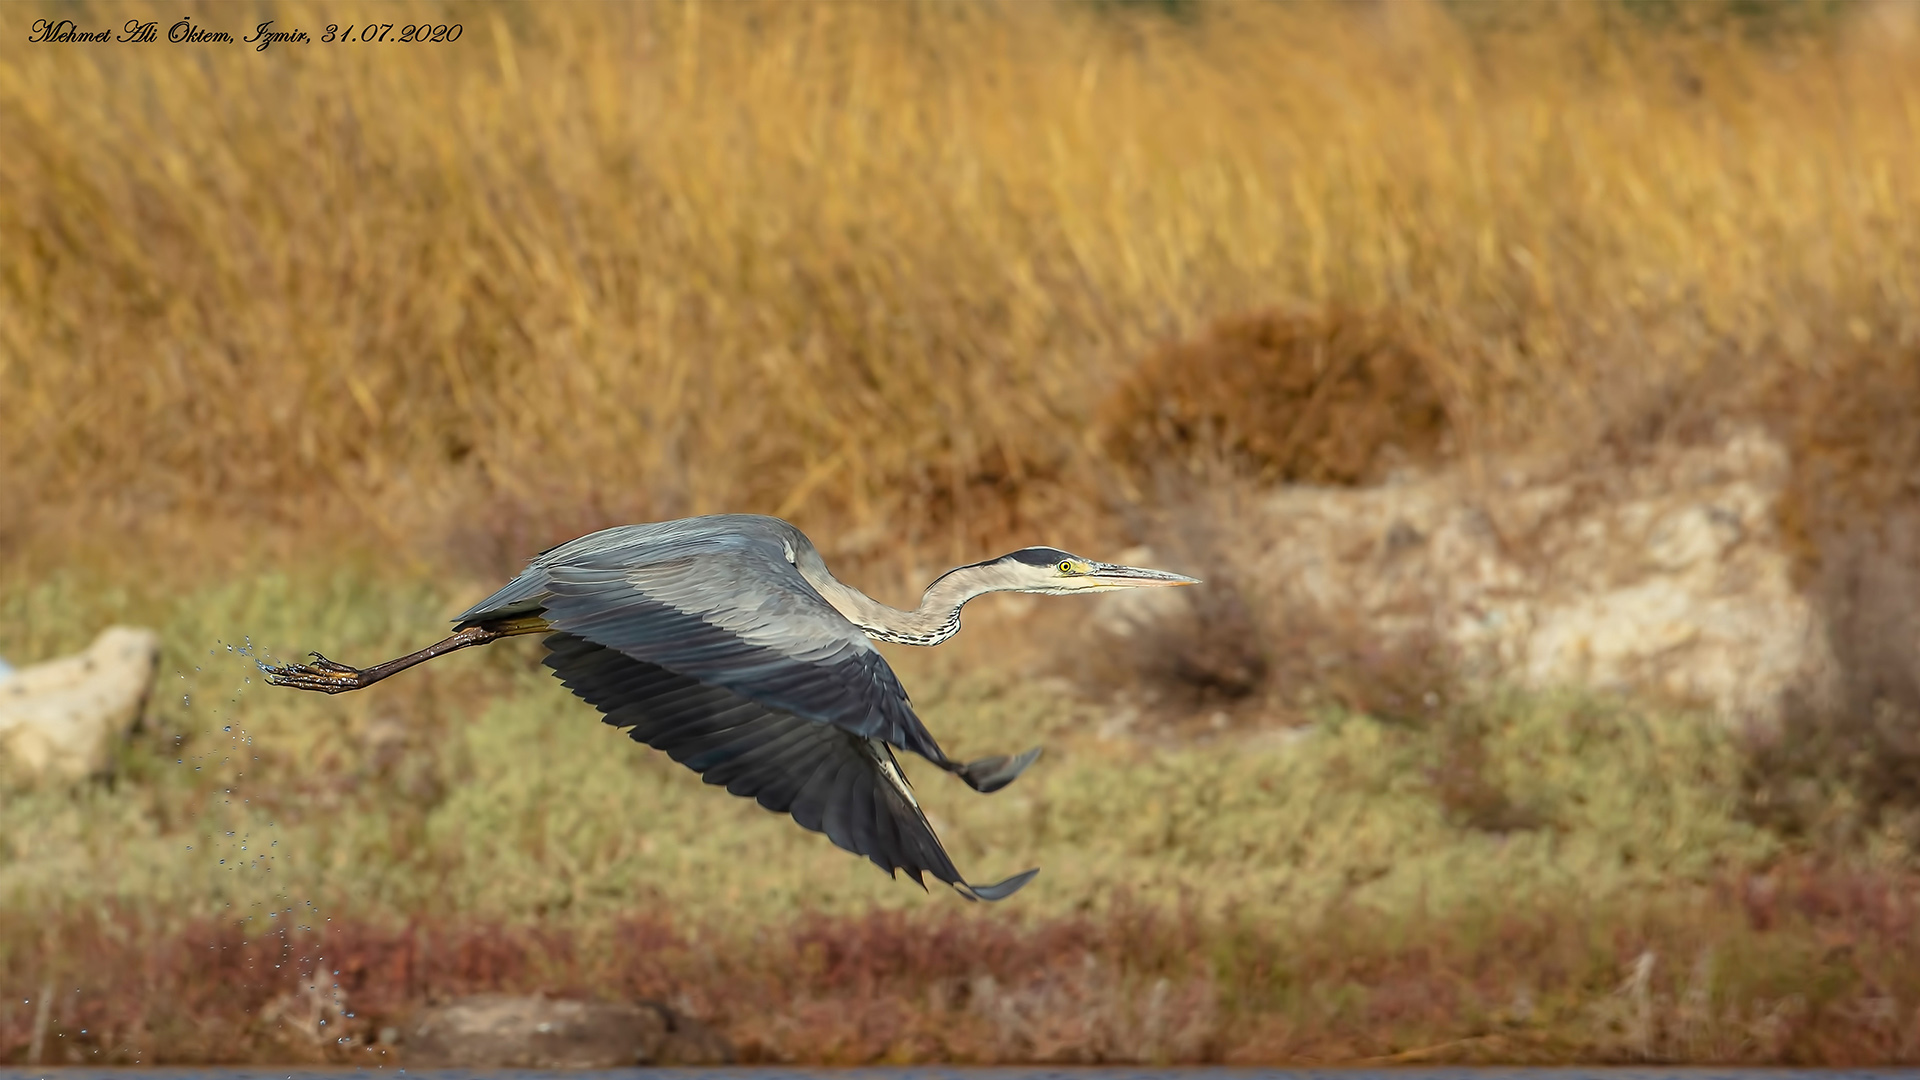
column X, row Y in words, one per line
column 999, row 890
column 989, row 775
column 322, row 674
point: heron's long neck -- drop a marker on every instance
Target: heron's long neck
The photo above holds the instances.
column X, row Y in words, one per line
column 934, row 621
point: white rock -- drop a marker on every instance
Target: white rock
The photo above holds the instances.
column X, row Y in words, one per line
column 1665, row 577
column 59, row 719
column 498, row 1030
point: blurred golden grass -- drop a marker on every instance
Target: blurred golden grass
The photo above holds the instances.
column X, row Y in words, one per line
column 875, row 266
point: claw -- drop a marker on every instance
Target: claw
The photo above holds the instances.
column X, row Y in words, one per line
column 323, row 675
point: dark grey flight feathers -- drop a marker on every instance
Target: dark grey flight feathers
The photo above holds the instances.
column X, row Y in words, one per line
column 725, row 642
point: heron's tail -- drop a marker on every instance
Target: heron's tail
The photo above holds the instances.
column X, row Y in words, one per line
column 990, row 774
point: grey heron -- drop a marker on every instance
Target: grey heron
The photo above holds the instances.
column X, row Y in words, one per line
column 725, row 642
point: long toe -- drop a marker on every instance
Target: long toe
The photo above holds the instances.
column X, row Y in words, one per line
column 323, row 675
column 990, row 774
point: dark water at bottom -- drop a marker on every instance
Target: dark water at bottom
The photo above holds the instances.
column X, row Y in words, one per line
column 970, row 1073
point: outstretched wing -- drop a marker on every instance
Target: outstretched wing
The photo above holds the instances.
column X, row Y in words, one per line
column 725, row 606
column 830, row 779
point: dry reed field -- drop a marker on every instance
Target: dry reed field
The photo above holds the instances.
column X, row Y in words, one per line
column 877, row 268
column 303, row 348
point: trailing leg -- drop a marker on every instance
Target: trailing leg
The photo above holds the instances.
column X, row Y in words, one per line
column 329, row 677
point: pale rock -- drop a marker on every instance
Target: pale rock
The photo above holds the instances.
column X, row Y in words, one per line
column 1665, row 577
column 60, row 719
column 503, row 1031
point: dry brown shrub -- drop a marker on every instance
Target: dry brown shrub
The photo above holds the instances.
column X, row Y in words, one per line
column 1182, row 653
column 1854, row 430
column 1409, row 680
column 1852, row 511
column 1324, row 397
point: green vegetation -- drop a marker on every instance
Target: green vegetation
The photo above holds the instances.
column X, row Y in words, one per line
column 479, row 787
column 1531, row 845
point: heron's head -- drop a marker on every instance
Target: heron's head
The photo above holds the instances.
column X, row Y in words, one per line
column 1050, row 570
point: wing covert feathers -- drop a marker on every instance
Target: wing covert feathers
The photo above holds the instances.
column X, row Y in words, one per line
column 843, row 783
column 793, row 654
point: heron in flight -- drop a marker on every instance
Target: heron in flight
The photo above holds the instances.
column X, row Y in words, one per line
column 725, row 642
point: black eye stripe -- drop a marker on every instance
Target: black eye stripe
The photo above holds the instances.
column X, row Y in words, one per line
column 1042, row 556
